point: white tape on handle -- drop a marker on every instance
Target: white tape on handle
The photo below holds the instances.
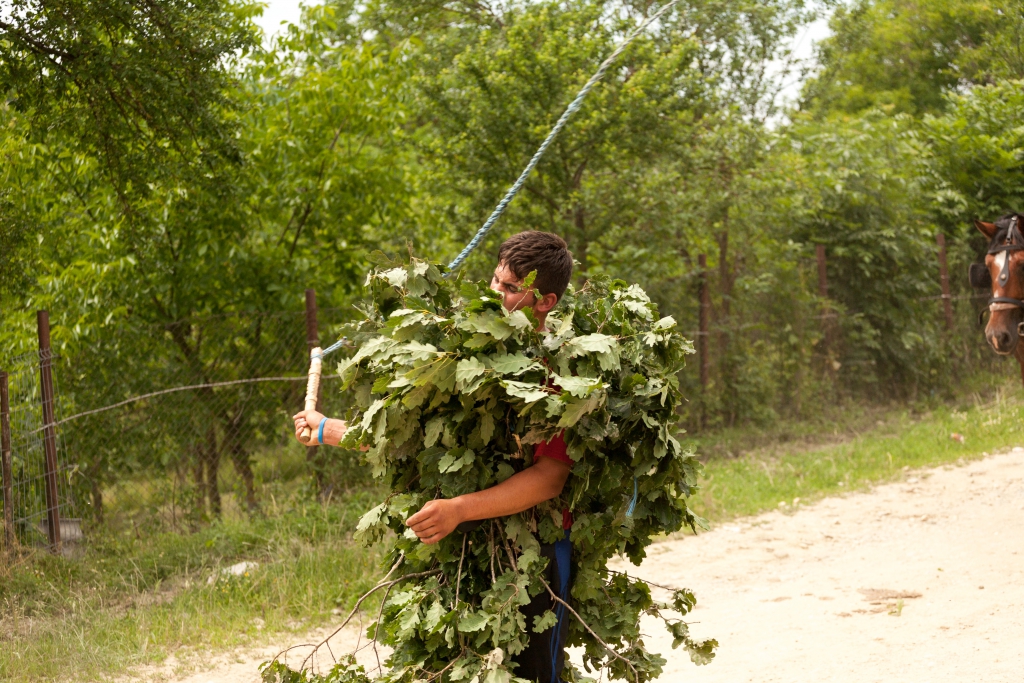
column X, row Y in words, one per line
column 316, row 362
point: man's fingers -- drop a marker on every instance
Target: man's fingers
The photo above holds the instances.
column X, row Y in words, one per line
column 415, row 519
column 423, row 525
column 424, row 514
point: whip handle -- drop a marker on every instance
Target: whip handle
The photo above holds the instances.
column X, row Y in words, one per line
column 316, row 363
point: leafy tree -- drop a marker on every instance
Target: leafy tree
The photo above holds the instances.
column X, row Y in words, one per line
column 137, row 84
column 865, row 201
column 311, row 177
column 904, row 56
column 490, row 81
column 975, row 156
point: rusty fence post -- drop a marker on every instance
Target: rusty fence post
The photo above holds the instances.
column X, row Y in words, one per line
column 947, row 301
column 49, row 430
column 312, row 341
column 5, row 462
column 702, row 334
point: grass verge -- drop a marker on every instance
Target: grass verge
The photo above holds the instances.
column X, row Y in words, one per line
column 775, row 475
column 131, row 602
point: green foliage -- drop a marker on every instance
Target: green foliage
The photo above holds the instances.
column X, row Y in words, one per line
column 488, row 82
column 453, row 392
column 904, row 56
column 138, row 87
column 866, row 203
column 974, row 157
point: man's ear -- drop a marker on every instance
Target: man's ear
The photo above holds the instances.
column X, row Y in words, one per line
column 545, row 303
column 987, row 229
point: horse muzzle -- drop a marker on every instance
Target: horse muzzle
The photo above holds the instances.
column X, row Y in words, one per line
column 1003, row 334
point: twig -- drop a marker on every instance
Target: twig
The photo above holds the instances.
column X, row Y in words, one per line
column 450, row 665
column 376, row 628
column 458, row 576
column 363, row 597
column 494, row 579
column 359, row 602
column 590, row 630
column 649, row 583
column 511, row 555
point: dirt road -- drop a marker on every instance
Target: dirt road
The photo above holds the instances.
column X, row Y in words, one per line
column 915, row 581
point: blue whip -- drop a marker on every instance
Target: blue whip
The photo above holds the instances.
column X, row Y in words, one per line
column 570, row 110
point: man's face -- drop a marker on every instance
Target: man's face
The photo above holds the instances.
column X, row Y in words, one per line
column 514, row 295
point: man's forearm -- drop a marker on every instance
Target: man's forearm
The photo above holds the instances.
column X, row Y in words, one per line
column 334, row 430
column 542, row 481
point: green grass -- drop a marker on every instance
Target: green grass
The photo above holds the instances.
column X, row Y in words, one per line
column 852, row 454
column 130, row 602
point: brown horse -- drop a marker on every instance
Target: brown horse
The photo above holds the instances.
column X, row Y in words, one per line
column 1003, row 271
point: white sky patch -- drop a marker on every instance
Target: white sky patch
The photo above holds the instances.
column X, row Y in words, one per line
column 803, row 53
column 277, row 11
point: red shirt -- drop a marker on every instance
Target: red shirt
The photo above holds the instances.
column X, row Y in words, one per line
column 556, row 450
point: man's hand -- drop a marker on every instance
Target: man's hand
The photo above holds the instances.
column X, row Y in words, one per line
column 307, row 418
column 542, row 481
column 435, row 520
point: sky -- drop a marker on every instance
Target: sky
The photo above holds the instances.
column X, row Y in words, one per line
column 288, row 10
column 277, row 11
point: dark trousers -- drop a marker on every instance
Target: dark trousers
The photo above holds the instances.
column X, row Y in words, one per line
column 543, row 658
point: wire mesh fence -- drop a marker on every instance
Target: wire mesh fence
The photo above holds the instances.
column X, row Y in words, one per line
column 37, row 483
column 164, row 427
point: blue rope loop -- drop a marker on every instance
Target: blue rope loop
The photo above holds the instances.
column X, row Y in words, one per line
column 573, row 107
column 332, row 348
column 632, row 503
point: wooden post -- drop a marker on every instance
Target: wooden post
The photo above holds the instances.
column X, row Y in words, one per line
column 5, row 462
column 947, row 301
column 49, row 430
column 313, row 341
column 702, row 333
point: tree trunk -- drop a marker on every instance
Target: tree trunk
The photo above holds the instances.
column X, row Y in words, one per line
column 726, row 280
column 199, row 474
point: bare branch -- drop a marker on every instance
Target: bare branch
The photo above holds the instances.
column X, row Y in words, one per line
column 605, row 645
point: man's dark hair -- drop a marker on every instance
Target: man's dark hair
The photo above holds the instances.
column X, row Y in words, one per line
column 543, row 252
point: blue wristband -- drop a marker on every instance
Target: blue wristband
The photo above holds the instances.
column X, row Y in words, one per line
column 320, row 431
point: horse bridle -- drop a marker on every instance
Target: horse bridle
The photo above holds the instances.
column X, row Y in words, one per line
column 980, row 277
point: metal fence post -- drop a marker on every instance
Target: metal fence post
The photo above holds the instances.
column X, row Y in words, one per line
column 702, row 334
column 5, row 462
column 49, row 430
column 947, row 302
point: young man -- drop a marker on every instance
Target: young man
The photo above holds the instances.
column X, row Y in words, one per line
column 521, row 254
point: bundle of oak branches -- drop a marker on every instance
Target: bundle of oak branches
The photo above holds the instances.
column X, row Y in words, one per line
column 451, row 393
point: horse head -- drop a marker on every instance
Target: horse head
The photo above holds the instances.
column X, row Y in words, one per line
column 1003, row 272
